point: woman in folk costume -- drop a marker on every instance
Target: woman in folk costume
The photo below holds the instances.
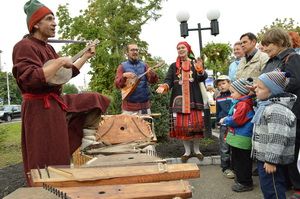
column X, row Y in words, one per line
column 186, row 104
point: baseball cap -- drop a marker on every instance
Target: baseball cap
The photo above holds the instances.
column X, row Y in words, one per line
column 221, row 78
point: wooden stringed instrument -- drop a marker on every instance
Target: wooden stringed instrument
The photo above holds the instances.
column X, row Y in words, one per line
column 132, row 83
column 63, row 75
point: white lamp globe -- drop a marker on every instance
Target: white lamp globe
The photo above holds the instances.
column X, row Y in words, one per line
column 213, row 14
column 182, row 16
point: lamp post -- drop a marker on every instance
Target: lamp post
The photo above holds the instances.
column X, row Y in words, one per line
column 7, row 80
column 0, row 61
column 213, row 16
column 183, row 17
column 8, row 92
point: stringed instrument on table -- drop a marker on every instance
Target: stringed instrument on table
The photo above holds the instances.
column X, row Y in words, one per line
column 63, row 75
column 132, row 83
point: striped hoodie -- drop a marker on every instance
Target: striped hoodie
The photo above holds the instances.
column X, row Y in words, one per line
column 274, row 135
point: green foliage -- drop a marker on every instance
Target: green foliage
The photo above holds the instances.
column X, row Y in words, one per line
column 160, row 104
column 207, row 141
column 116, row 101
column 115, row 23
column 70, row 89
column 14, row 92
column 10, row 147
column 217, row 57
column 288, row 24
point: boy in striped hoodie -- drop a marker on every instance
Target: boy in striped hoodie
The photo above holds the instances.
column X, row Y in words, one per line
column 274, row 132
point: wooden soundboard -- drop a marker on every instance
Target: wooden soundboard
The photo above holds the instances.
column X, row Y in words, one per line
column 158, row 190
column 75, row 177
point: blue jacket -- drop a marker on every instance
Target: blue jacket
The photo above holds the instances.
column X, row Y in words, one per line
column 141, row 93
column 223, row 102
column 239, row 123
column 233, row 67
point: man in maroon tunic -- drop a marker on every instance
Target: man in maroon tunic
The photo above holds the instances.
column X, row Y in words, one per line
column 52, row 124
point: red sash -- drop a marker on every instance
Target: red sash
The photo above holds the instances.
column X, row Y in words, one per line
column 46, row 97
column 186, row 87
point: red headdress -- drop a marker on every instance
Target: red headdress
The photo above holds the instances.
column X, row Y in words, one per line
column 190, row 54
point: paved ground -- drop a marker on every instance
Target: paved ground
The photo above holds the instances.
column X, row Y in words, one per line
column 213, row 185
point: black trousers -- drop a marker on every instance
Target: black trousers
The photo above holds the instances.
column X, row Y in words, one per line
column 293, row 172
column 224, row 149
column 242, row 165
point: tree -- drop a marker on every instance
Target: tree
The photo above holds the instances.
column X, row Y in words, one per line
column 160, row 104
column 14, row 92
column 288, row 24
column 217, row 57
column 115, row 23
column 70, row 89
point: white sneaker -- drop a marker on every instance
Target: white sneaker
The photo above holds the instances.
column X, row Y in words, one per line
column 228, row 173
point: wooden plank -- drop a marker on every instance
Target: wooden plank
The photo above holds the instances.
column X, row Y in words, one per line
column 116, row 175
column 160, row 190
column 163, row 190
column 122, row 159
column 122, row 148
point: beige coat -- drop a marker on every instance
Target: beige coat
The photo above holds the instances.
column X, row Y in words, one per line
column 252, row 68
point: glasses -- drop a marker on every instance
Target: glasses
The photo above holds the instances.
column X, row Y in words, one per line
column 134, row 49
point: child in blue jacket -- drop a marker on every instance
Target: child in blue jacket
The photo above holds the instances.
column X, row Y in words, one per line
column 223, row 104
column 240, row 133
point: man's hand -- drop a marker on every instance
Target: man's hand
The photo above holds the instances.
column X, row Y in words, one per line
column 251, row 89
column 162, row 88
column 91, row 52
column 222, row 120
column 269, row 168
column 66, row 62
column 129, row 75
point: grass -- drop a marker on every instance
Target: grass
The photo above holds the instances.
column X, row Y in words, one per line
column 10, row 144
column 207, row 141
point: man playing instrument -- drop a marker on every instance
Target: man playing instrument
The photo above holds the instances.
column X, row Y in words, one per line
column 138, row 102
column 52, row 123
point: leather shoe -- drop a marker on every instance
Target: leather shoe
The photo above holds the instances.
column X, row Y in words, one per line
column 185, row 158
column 238, row 187
column 255, row 172
column 200, row 156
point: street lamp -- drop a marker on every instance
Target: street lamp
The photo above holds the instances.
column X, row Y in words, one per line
column 7, row 80
column 7, row 86
column 0, row 61
column 8, row 92
column 212, row 15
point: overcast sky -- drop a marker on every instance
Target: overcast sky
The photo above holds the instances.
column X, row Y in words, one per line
column 237, row 17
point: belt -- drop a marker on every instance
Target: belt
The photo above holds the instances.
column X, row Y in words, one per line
column 46, row 97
